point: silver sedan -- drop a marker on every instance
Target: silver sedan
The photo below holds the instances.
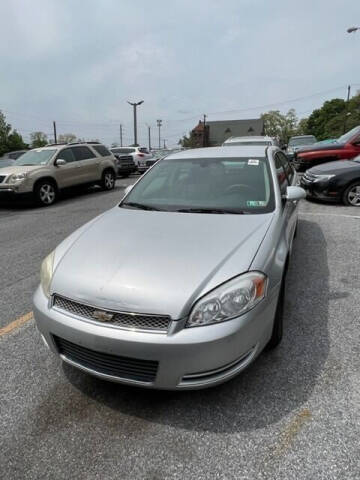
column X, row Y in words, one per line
column 217, row 226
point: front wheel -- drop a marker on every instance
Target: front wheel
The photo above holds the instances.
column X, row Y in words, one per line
column 351, row 195
column 45, row 193
column 108, row 180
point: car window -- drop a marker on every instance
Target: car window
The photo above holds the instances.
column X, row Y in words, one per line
column 287, row 167
column 280, row 174
column 233, row 185
column 123, row 150
column 103, row 151
column 66, row 155
column 36, row 157
column 143, row 150
column 82, row 153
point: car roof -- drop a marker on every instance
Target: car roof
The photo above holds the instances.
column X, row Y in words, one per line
column 220, row 152
column 249, row 138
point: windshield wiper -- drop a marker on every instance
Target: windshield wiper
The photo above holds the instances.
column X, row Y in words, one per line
column 140, row 206
column 210, row 210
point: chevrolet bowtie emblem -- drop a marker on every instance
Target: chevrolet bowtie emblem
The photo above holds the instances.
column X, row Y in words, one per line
column 102, row 316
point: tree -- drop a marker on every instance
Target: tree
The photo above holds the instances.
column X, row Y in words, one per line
column 327, row 121
column 66, row 138
column 16, row 142
column 302, row 127
column 9, row 140
column 280, row 126
column 38, row 139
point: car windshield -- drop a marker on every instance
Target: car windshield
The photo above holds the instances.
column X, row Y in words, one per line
column 258, row 143
column 294, row 142
column 35, row 157
column 205, row 185
column 347, row 136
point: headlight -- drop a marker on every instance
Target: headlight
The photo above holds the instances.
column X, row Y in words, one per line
column 230, row 300
column 17, row 178
column 46, row 273
column 321, row 178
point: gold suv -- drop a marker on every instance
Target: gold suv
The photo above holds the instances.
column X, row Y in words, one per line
column 43, row 172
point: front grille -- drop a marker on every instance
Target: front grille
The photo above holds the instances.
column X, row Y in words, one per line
column 158, row 323
column 2, row 178
column 108, row 364
column 125, row 158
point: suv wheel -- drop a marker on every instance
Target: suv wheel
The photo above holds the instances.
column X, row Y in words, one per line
column 351, row 196
column 108, row 180
column 45, row 193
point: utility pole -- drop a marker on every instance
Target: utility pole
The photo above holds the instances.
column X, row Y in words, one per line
column 121, row 135
column 347, row 107
column 134, row 105
column 164, row 144
column 149, row 137
column 55, row 137
column 159, row 122
column 204, row 134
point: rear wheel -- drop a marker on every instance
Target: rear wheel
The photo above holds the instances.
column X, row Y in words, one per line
column 351, row 195
column 45, row 193
column 108, row 180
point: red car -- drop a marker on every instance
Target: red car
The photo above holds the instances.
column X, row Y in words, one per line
column 345, row 147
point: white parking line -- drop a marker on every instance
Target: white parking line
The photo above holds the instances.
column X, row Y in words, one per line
column 329, row 215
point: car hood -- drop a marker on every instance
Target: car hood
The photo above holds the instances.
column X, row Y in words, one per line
column 335, row 167
column 19, row 169
column 155, row 262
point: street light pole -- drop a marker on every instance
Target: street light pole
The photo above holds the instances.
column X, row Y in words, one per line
column 159, row 122
column 134, row 105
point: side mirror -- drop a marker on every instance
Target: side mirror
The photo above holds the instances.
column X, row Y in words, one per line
column 294, row 194
column 128, row 189
column 60, row 162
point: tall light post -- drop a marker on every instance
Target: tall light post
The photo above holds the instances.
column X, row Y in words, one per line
column 134, row 105
column 159, row 122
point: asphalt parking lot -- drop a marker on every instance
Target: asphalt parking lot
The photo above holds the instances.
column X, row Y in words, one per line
column 294, row 414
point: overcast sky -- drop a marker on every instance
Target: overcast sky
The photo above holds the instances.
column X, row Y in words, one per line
column 78, row 61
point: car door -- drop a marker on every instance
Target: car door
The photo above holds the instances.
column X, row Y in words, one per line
column 286, row 177
column 67, row 174
column 89, row 163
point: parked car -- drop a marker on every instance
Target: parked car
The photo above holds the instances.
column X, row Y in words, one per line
column 345, row 147
column 209, row 298
column 335, row 181
column 248, row 141
column 125, row 164
column 137, row 153
column 43, row 172
column 13, row 155
column 297, row 143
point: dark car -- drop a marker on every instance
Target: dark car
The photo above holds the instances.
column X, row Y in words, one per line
column 345, row 147
column 124, row 163
column 336, row 181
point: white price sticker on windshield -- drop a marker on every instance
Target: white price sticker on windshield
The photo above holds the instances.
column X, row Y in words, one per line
column 253, row 161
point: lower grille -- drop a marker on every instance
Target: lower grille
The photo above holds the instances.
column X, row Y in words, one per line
column 108, row 364
column 133, row 321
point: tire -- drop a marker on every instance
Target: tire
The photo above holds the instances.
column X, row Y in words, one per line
column 45, row 193
column 351, row 195
column 277, row 332
column 108, row 180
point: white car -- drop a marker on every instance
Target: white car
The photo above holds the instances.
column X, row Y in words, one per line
column 249, row 141
column 139, row 154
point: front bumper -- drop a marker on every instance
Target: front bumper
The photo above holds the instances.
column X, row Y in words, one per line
column 188, row 358
column 319, row 190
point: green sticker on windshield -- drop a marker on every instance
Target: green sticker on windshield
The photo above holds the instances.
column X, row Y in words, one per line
column 256, row 203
